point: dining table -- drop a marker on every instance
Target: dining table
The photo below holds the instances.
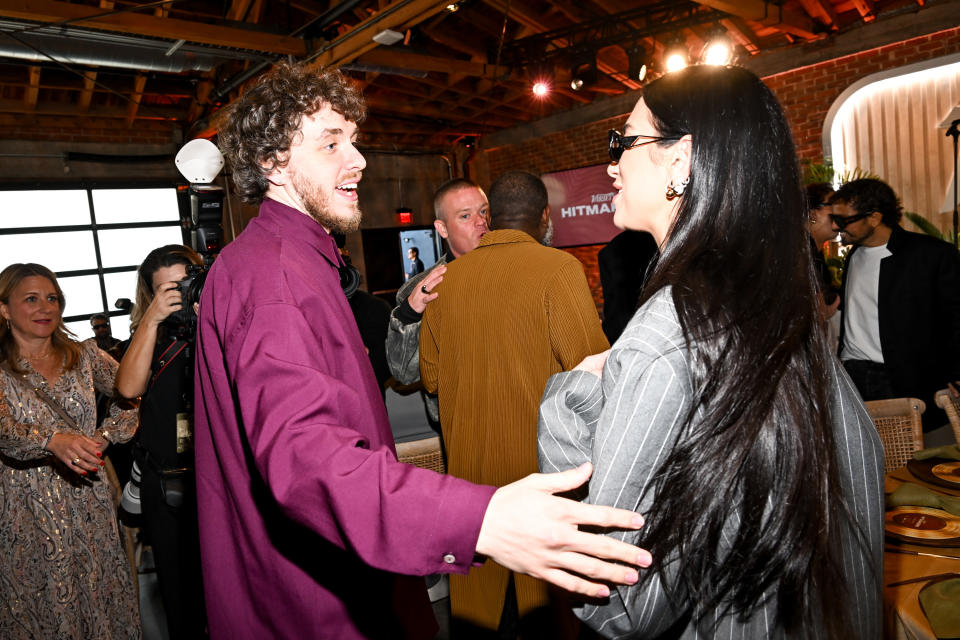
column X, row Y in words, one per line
column 908, row 568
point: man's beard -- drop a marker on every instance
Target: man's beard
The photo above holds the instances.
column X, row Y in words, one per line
column 547, row 239
column 317, row 206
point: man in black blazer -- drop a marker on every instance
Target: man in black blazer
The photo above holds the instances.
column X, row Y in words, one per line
column 623, row 264
column 900, row 335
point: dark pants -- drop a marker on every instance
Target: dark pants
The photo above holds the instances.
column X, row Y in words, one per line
column 175, row 540
column 870, row 378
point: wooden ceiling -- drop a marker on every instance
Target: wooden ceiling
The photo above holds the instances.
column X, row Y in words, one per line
column 461, row 69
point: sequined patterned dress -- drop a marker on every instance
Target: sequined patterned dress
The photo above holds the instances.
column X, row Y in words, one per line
column 63, row 572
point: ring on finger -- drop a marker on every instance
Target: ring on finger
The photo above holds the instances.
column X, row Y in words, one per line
column 423, row 288
column 76, row 461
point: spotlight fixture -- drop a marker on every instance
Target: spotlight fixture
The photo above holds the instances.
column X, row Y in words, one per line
column 584, row 71
column 636, row 63
column 675, row 55
column 540, row 75
column 453, row 7
column 718, row 49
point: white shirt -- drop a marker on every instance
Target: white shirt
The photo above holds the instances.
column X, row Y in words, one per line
column 861, row 316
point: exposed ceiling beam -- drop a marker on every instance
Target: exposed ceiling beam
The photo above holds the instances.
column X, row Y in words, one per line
column 118, row 112
column 52, row 11
column 399, row 15
column 464, row 104
column 767, row 14
column 83, row 100
column 138, row 84
column 238, row 10
column 204, row 87
column 394, row 106
column 537, row 25
column 33, row 89
column 868, row 11
column 824, row 9
column 742, row 32
column 310, row 7
column 391, row 57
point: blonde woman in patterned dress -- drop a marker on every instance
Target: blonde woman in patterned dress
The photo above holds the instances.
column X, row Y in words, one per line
column 63, row 572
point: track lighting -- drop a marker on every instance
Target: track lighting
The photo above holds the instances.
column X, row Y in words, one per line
column 675, row 55
column 718, row 49
column 636, row 63
column 584, row 71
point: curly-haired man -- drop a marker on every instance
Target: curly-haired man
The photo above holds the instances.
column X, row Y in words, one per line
column 900, row 335
column 306, row 517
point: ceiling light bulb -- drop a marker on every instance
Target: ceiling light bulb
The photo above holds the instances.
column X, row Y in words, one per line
column 676, row 61
column 541, row 88
column 718, row 49
column 576, row 84
column 717, row 53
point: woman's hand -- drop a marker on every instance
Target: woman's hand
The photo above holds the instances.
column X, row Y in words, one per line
column 78, row 452
column 594, row 364
column 167, row 299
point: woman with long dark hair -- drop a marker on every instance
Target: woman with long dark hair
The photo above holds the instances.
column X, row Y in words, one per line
column 63, row 570
column 158, row 367
column 720, row 413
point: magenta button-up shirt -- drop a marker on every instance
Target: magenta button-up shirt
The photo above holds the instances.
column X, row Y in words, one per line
column 306, row 517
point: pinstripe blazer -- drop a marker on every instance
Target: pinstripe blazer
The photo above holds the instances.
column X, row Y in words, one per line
column 624, row 425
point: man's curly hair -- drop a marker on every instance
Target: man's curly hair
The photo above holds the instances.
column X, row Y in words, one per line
column 867, row 195
column 261, row 126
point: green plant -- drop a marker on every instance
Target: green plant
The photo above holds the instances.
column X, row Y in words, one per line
column 928, row 227
column 925, row 225
column 824, row 172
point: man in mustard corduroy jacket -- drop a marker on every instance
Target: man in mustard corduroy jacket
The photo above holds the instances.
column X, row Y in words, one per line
column 509, row 314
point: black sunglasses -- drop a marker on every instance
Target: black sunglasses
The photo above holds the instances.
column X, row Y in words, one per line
column 843, row 221
column 617, row 143
column 100, row 326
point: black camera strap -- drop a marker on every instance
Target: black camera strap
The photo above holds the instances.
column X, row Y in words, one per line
column 166, row 363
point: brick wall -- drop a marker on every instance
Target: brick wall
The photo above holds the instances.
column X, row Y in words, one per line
column 46, row 129
column 805, row 93
column 587, row 254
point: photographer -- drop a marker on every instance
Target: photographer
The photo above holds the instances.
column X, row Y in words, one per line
column 158, row 366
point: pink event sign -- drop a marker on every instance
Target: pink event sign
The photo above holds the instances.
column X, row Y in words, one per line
column 581, row 206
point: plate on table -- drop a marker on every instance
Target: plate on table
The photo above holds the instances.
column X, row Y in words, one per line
column 923, row 525
column 938, row 471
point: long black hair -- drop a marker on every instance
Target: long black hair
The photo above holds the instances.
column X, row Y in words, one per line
column 758, row 443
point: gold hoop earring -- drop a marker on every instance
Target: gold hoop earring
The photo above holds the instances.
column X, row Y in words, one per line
column 675, row 190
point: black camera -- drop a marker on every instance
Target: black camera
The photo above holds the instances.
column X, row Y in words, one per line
column 190, row 289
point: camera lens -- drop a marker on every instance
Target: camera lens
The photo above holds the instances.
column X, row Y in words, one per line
column 130, row 500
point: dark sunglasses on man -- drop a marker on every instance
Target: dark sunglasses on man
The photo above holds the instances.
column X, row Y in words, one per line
column 102, row 325
column 843, row 221
column 617, row 143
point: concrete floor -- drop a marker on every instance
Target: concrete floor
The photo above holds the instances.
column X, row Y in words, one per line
column 152, row 618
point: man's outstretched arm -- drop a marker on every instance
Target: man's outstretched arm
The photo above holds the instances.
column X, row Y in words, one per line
column 529, row 530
